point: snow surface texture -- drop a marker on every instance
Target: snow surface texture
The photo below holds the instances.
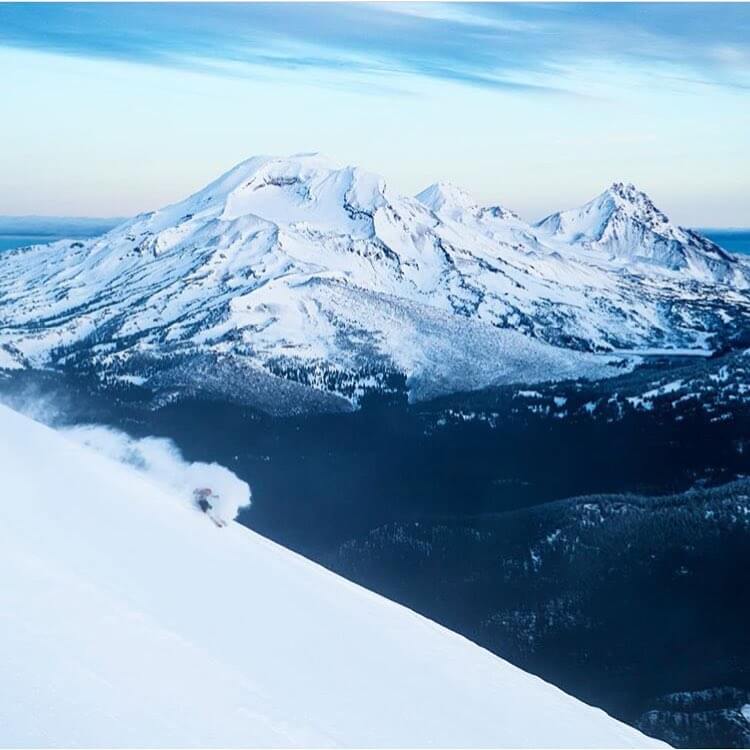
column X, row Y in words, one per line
column 301, row 269
column 128, row 619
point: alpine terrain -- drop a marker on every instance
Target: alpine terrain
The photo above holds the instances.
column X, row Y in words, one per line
column 535, row 435
column 297, row 283
column 128, row 619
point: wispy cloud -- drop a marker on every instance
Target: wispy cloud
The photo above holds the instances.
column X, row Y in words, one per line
column 544, row 102
column 510, row 47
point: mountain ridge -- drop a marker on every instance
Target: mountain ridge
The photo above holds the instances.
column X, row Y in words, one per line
column 626, row 223
column 302, row 265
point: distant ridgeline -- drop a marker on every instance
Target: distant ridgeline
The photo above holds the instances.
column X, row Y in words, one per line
column 734, row 240
column 19, row 231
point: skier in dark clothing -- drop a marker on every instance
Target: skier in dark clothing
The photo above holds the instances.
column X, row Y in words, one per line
column 201, row 497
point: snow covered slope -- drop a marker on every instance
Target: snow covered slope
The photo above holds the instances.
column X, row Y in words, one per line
column 624, row 223
column 128, row 619
column 303, row 270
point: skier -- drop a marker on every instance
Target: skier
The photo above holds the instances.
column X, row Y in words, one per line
column 201, row 496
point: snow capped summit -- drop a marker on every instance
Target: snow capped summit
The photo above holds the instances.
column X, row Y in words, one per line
column 282, row 191
column 446, row 199
column 303, row 274
column 627, row 197
column 130, row 620
column 624, row 223
column 591, row 222
column 446, row 195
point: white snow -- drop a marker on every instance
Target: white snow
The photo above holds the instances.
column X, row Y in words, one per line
column 639, row 402
column 132, row 379
column 160, row 460
column 306, row 262
column 664, row 390
column 624, row 223
column 8, row 361
column 128, row 619
column 664, row 352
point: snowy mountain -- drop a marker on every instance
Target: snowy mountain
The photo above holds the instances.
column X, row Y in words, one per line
column 128, row 619
column 451, row 201
column 624, row 223
column 301, row 275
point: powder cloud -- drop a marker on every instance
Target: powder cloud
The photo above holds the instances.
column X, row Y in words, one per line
column 161, row 461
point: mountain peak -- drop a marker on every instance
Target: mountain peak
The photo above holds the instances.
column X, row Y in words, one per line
column 283, row 190
column 442, row 195
column 456, row 202
column 620, row 202
column 625, row 223
column 627, row 197
column 624, row 189
column 257, row 169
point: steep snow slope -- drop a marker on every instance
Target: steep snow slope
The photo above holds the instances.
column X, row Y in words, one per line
column 303, row 269
column 624, row 222
column 128, row 619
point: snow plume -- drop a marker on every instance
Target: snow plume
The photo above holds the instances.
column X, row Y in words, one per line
column 160, row 460
column 43, row 406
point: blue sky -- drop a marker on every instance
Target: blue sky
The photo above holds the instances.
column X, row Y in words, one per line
column 112, row 109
